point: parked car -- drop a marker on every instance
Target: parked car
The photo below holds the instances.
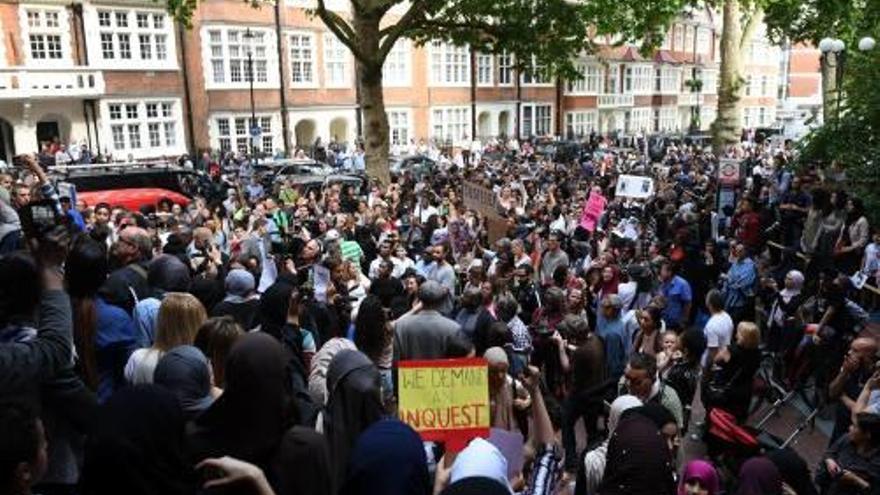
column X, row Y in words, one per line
column 418, row 165
column 132, row 186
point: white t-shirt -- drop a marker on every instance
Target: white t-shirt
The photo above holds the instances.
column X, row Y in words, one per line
column 719, row 332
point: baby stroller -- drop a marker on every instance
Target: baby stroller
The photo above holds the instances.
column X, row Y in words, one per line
column 729, row 444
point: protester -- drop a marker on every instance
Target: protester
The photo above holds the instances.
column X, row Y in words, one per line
column 336, row 285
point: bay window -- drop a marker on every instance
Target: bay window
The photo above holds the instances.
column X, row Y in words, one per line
column 451, row 123
column 450, row 64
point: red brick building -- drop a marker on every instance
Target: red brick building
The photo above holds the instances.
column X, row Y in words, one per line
column 122, row 77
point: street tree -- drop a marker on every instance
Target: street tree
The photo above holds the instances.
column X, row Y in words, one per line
column 741, row 19
column 545, row 35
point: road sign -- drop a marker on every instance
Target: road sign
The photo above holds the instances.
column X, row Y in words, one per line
column 256, row 131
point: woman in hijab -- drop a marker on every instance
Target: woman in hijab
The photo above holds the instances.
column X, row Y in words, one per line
column 252, row 420
column 388, row 458
column 638, row 460
column 241, row 301
column 664, row 421
column 354, row 403
column 594, row 460
column 759, row 476
column 783, row 334
column 185, row 372
column 136, row 445
column 507, row 396
column 699, row 478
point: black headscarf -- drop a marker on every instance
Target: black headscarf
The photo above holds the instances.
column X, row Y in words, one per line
column 476, row 486
column 794, row 470
column 273, row 307
column 638, row 460
column 249, row 419
column 302, row 466
column 388, row 458
column 658, row 414
column 136, row 446
column 354, row 403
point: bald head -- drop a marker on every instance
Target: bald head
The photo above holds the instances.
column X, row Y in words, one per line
column 865, row 349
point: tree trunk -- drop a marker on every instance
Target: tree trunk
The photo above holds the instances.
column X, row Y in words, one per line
column 728, row 125
column 829, row 86
column 372, row 100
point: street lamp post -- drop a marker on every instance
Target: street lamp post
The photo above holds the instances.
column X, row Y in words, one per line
column 837, row 48
column 252, row 130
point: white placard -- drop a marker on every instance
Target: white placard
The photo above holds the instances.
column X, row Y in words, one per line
column 634, row 186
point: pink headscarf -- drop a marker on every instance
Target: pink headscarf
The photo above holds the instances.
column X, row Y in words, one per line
column 703, row 472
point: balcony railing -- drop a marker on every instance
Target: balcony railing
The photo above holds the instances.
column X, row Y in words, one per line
column 50, row 83
column 690, row 99
column 615, row 101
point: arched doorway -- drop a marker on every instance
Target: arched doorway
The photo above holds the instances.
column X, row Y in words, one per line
column 51, row 127
column 504, row 123
column 339, row 130
column 305, row 133
column 7, row 142
column 484, row 126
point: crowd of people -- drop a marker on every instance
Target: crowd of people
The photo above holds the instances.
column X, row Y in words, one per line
column 248, row 342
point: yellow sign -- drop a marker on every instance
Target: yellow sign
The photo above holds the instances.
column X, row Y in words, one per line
column 445, row 400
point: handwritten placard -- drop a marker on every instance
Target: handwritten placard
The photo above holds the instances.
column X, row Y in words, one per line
column 445, row 400
column 478, row 198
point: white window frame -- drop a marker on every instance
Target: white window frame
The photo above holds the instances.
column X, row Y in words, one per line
column 337, row 62
column 397, row 71
column 640, row 78
column 704, row 41
column 485, row 69
column 400, row 123
column 225, row 54
column 581, row 122
column 313, row 60
column 710, row 82
column 534, row 127
column 668, row 118
column 177, row 143
column 61, row 30
column 506, row 69
column 450, row 65
column 689, row 39
column 444, row 128
column 235, row 136
column 95, row 32
column 591, row 82
column 678, row 40
column 641, row 120
column 670, row 80
column 536, row 76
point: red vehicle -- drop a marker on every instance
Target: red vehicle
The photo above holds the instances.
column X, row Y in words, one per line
column 131, row 186
column 132, row 198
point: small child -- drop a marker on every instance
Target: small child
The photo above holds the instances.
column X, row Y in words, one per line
column 665, row 357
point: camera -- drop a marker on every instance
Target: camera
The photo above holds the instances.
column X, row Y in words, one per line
column 39, row 218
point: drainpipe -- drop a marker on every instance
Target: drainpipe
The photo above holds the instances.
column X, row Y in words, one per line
column 190, row 126
column 473, row 61
column 95, row 124
column 86, row 120
column 558, row 123
column 516, row 131
column 283, row 91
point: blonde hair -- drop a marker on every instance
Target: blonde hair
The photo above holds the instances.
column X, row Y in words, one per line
column 748, row 334
column 180, row 317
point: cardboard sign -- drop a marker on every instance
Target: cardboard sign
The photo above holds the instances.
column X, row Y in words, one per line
column 497, row 227
column 478, row 198
column 445, row 400
column 634, row 186
column 593, row 211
